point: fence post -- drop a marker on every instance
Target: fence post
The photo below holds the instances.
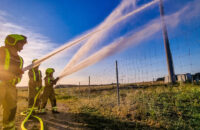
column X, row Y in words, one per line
column 89, row 86
column 79, row 84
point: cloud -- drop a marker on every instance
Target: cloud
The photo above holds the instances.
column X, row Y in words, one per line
column 193, row 9
column 188, row 12
column 37, row 46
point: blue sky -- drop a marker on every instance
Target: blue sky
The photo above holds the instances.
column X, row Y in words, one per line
column 50, row 24
column 59, row 20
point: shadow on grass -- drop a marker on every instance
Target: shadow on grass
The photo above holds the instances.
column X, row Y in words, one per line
column 85, row 121
column 100, row 122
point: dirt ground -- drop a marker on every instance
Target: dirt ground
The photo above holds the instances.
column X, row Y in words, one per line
column 61, row 121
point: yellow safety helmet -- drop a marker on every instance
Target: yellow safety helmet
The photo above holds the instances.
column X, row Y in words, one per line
column 12, row 39
column 49, row 71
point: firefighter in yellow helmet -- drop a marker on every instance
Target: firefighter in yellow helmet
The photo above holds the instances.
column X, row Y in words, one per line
column 11, row 65
column 35, row 84
column 48, row 92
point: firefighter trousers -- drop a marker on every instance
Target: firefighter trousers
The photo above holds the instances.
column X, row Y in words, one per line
column 8, row 99
column 48, row 94
column 32, row 93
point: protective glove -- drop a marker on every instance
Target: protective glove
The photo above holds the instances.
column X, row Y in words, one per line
column 56, row 80
column 20, row 73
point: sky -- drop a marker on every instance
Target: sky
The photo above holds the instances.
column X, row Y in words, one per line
column 136, row 42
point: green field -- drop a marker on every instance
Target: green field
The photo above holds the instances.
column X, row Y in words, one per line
column 157, row 107
column 165, row 107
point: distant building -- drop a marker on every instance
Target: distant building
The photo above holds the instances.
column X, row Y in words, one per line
column 184, row 77
column 160, row 79
column 196, row 77
column 166, row 79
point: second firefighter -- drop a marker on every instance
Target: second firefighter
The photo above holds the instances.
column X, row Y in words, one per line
column 35, row 84
column 48, row 92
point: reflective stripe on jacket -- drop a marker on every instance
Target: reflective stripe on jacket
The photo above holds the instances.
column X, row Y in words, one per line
column 8, row 64
column 34, row 75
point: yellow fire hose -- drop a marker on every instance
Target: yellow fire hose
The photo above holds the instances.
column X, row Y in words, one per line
column 29, row 114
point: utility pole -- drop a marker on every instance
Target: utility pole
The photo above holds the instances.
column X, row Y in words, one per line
column 118, row 97
column 167, row 46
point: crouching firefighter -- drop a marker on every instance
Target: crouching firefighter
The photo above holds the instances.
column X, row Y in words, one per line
column 11, row 65
column 35, row 84
column 48, row 92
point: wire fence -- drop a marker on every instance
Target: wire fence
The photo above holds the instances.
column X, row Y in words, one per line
column 147, row 61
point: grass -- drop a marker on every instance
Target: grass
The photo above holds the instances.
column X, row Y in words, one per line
column 153, row 107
